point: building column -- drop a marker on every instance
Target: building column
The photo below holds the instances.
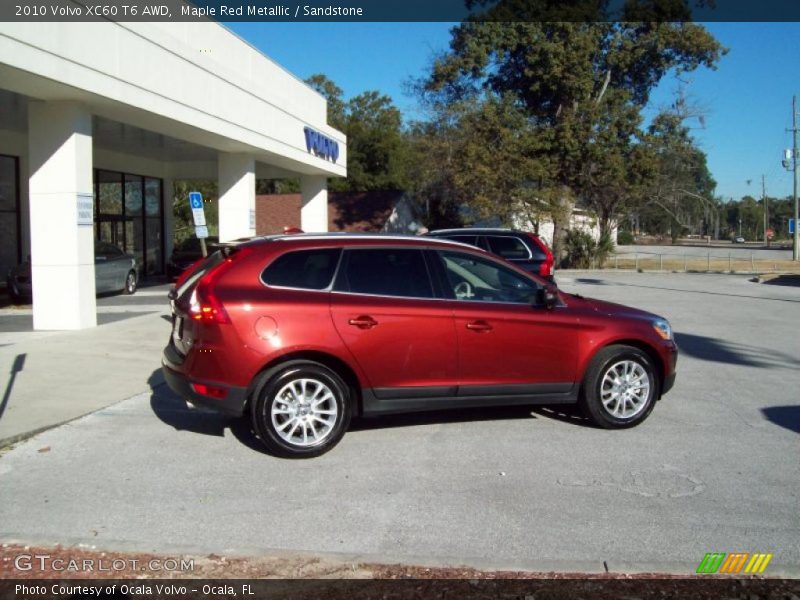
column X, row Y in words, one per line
column 61, row 215
column 237, row 196
column 314, row 204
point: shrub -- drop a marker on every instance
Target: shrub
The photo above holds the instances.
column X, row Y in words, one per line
column 584, row 252
column 625, row 238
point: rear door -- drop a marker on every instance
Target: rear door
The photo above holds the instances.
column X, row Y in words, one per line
column 513, row 249
column 104, row 266
column 401, row 333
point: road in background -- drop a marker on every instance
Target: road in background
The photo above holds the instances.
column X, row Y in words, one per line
column 736, row 250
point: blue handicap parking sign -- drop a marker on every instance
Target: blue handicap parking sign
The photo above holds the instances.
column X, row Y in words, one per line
column 195, row 199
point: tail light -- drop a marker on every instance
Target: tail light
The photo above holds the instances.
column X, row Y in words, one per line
column 546, row 268
column 204, row 304
column 211, row 391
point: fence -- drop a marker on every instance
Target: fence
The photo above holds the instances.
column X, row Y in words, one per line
column 700, row 263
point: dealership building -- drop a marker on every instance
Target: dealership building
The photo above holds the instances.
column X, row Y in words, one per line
column 97, row 120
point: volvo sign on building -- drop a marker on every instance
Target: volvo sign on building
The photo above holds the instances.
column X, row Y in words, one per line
column 92, row 137
column 321, row 145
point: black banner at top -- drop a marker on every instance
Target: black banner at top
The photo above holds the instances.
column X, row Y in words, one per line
column 400, row 10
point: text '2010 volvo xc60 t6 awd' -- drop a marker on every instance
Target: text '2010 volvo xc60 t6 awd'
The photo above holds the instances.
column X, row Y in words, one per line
column 302, row 332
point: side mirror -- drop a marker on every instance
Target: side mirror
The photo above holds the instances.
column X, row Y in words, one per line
column 548, row 296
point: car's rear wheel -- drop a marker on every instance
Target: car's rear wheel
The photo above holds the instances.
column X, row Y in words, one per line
column 301, row 409
column 620, row 387
column 130, row 282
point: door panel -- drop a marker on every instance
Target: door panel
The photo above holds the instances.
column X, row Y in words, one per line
column 507, row 344
column 102, row 274
column 520, row 345
column 411, row 344
column 384, row 309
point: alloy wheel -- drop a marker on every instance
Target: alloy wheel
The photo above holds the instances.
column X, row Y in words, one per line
column 625, row 389
column 304, row 412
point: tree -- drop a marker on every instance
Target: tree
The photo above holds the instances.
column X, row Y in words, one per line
column 581, row 85
column 333, row 95
column 376, row 145
column 680, row 185
column 377, row 148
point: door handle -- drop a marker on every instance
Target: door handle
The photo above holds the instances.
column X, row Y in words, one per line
column 479, row 326
column 363, row 322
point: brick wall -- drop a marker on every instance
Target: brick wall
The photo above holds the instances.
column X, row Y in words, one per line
column 347, row 211
column 276, row 211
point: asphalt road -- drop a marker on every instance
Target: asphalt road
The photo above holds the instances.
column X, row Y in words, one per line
column 714, row 469
column 742, row 251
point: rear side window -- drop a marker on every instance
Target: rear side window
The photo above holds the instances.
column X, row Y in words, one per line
column 385, row 272
column 303, row 269
column 508, row 247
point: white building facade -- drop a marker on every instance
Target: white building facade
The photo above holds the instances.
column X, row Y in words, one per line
column 97, row 120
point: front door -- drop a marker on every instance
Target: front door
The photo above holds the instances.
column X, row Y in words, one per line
column 386, row 312
column 507, row 344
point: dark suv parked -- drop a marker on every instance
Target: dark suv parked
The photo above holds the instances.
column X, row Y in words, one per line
column 524, row 249
column 303, row 331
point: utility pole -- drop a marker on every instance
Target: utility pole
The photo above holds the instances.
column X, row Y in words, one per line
column 766, row 215
column 796, row 240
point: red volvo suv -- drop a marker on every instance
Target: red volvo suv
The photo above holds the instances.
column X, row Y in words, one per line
column 302, row 332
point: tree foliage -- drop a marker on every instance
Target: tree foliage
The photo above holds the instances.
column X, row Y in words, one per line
column 578, row 89
column 680, row 186
column 377, row 147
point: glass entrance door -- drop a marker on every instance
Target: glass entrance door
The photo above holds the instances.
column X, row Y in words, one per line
column 113, row 230
column 129, row 215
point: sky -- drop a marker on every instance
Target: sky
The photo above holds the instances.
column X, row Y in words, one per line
column 747, row 101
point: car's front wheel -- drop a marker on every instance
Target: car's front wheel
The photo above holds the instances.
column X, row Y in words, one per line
column 130, row 282
column 301, row 409
column 620, row 387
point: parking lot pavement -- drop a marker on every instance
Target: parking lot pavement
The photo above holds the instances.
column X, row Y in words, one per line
column 49, row 377
column 714, row 469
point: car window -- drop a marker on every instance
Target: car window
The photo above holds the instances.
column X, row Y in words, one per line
column 476, row 279
column 508, row 247
column 304, row 269
column 385, row 272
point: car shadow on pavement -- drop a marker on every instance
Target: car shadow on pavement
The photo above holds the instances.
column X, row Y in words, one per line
column 784, row 280
column 566, row 413
column 717, row 350
column 588, row 281
column 787, row 417
column 173, row 410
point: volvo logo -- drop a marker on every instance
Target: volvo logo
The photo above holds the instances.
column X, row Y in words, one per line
column 321, row 145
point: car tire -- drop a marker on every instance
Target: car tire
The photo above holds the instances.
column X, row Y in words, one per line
column 130, row 282
column 620, row 387
column 300, row 409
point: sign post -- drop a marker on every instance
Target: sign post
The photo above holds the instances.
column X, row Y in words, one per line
column 199, row 218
